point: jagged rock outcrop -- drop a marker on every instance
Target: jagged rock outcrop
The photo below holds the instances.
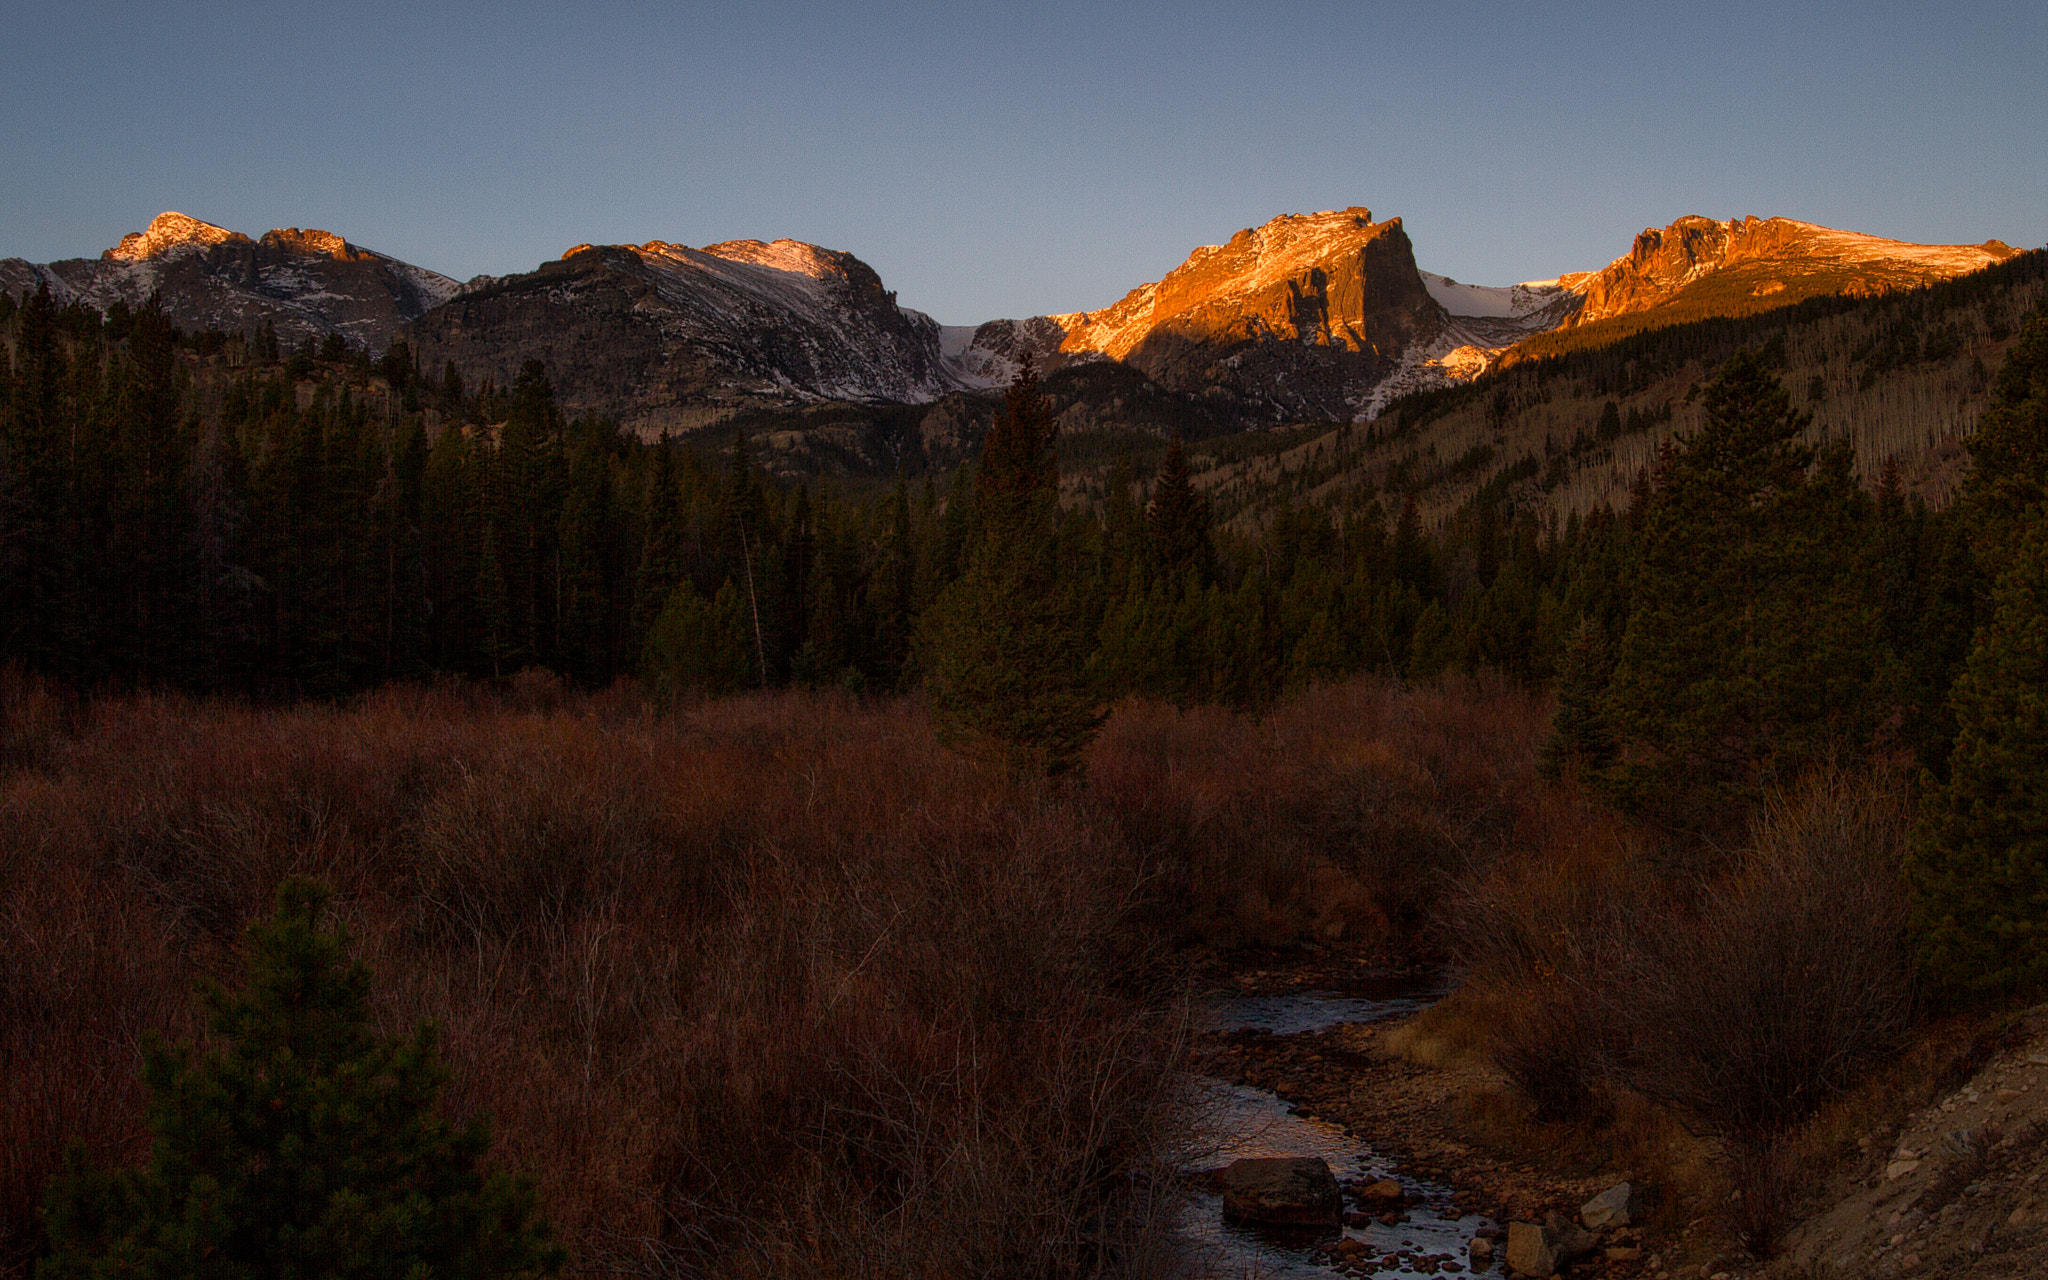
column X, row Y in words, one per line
column 1300, row 318
column 1714, row 264
column 307, row 283
column 663, row 336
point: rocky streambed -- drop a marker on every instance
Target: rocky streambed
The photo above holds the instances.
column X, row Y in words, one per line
column 1298, row 1094
column 1375, row 1221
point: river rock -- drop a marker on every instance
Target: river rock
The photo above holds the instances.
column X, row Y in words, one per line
column 1531, row 1250
column 1295, row 1191
column 1386, row 1189
column 1570, row 1239
column 1481, row 1250
column 1611, row 1208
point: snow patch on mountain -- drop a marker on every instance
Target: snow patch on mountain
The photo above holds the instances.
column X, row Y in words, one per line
column 985, row 356
column 1537, row 304
column 1855, row 247
column 783, row 255
column 793, row 318
column 170, row 235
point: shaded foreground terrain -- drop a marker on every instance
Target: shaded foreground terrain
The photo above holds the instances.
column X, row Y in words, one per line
column 774, row 985
column 771, row 985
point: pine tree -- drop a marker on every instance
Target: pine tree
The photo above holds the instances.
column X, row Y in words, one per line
column 2008, row 477
column 661, row 554
column 1005, row 651
column 307, row 1146
column 1179, row 524
column 698, row 645
column 1979, row 866
column 493, row 606
column 1580, row 737
column 1979, row 863
column 892, row 590
column 1750, row 637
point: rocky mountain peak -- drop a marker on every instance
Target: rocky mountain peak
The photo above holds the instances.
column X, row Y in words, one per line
column 311, row 243
column 1275, row 279
column 1783, row 259
column 786, row 255
column 305, row 284
column 171, row 235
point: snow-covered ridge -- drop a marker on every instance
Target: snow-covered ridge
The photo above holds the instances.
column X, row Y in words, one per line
column 786, row 318
column 1527, row 301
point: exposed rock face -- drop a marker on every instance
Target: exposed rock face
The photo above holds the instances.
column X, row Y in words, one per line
column 171, row 235
column 989, row 355
column 1300, row 318
column 307, row 283
column 1287, row 1191
column 1775, row 258
column 662, row 336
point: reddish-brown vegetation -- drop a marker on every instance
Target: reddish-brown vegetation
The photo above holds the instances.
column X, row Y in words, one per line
column 777, row 984
column 772, row 984
column 1345, row 814
column 768, row 985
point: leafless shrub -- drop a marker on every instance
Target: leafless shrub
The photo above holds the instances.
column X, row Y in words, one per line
column 1787, row 978
column 1347, row 811
column 1741, row 1002
column 1766, row 1193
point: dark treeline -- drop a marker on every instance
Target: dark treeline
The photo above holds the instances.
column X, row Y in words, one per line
column 287, row 527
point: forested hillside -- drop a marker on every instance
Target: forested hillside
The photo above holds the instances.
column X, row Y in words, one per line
column 1574, row 418
column 202, row 512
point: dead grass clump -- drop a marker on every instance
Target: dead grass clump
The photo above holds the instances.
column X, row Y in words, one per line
column 34, row 717
column 86, row 968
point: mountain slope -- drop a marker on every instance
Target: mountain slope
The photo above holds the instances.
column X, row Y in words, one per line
column 1301, row 318
column 307, row 283
column 1307, row 318
column 663, row 336
column 1901, row 375
column 1698, row 268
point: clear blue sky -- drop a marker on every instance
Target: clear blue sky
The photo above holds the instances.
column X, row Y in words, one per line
column 1018, row 158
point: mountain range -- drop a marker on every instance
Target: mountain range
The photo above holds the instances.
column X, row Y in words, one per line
column 1309, row 317
column 305, row 283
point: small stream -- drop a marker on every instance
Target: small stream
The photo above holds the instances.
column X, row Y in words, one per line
column 1253, row 1122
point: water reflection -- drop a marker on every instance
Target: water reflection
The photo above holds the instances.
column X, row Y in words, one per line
column 1248, row 1122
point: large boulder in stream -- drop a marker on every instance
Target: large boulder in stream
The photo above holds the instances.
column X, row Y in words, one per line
column 1532, row 1250
column 1296, row 1191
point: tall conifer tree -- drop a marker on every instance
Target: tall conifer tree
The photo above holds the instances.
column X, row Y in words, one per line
column 1005, row 652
